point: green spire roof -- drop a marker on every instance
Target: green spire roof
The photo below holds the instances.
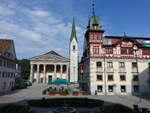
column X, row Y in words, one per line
column 73, row 32
column 93, row 21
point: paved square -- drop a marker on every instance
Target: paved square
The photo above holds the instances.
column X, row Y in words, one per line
column 35, row 92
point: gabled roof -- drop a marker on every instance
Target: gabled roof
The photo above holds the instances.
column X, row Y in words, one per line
column 130, row 37
column 4, row 45
column 140, row 41
column 51, row 56
column 53, row 52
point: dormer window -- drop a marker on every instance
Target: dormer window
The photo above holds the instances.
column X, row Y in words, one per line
column 128, row 51
column 8, row 55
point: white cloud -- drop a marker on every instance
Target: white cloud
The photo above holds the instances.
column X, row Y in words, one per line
column 6, row 11
column 19, row 32
column 44, row 31
column 39, row 13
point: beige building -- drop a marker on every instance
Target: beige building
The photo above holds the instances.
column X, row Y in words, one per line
column 48, row 67
column 111, row 76
column 8, row 62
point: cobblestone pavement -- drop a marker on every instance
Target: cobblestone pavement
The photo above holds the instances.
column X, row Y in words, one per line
column 35, row 92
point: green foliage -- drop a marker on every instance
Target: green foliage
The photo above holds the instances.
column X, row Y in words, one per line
column 29, row 83
column 75, row 92
column 20, row 85
column 54, row 90
column 25, row 68
column 64, row 92
column 14, row 108
column 117, row 108
column 71, row 102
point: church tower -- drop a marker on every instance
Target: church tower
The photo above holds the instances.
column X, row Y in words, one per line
column 73, row 55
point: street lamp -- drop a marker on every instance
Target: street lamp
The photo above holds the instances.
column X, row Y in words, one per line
column 135, row 49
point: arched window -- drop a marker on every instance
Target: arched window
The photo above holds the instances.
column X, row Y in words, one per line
column 74, row 47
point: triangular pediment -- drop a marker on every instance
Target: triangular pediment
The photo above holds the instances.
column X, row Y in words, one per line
column 51, row 56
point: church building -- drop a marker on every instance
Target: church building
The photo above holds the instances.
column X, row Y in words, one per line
column 73, row 55
column 50, row 66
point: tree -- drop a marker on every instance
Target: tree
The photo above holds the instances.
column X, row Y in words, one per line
column 25, row 68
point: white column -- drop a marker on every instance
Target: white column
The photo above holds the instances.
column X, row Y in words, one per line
column 44, row 73
column 31, row 73
column 55, row 76
column 61, row 66
column 38, row 72
column 67, row 74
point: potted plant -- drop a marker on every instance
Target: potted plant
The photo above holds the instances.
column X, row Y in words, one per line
column 52, row 93
column 85, row 93
column 75, row 93
column 63, row 92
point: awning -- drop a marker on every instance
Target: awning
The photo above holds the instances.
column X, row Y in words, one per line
column 59, row 81
column 19, row 79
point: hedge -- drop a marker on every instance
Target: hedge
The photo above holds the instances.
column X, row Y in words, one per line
column 117, row 108
column 70, row 102
column 14, row 108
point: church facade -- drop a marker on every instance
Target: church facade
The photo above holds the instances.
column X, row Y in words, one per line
column 114, row 65
column 48, row 67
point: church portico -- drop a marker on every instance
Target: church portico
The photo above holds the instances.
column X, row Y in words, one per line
column 41, row 72
column 46, row 70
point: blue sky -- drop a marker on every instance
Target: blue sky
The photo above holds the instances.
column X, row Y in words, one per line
column 38, row 26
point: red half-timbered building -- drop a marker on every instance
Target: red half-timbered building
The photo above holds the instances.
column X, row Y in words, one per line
column 114, row 64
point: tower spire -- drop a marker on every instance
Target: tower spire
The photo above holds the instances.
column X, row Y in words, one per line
column 93, row 7
column 93, row 23
column 73, row 32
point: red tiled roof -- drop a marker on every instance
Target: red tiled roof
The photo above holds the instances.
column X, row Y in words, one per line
column 4, row 45
column 130, row 37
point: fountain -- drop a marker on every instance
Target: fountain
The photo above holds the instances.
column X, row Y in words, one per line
column 65, row 110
